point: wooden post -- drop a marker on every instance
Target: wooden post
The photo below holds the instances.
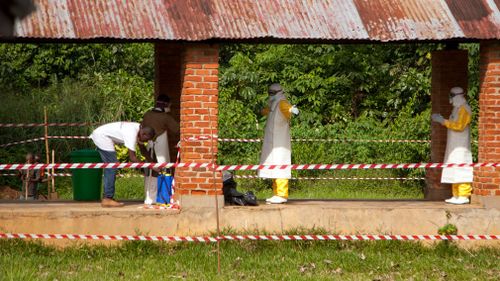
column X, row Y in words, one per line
column 26, row 184
column 53, row 194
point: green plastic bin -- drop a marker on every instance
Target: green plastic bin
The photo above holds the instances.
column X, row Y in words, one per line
column 86, row 182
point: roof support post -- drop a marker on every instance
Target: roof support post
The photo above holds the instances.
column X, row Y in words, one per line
column 189, row 74
column 487, row 179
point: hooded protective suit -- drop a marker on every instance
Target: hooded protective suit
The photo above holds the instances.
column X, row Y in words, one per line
column 458, row 144
column 276, row 148
column 458, row 147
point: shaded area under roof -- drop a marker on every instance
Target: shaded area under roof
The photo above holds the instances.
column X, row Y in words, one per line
column 259, row 20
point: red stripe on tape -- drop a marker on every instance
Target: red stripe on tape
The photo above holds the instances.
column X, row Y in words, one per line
column 237, row 167
column 65, row 124
column 370, row 237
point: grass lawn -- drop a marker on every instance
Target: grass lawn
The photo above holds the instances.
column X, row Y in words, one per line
column 133, row 187
column 247, row 260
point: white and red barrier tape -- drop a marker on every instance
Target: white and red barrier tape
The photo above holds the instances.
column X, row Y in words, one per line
column 42, row 139
column 68, row 137
column 250, row 177
column 22, row 142
column 70, row 175
column 247, row 237
column 240, row 167
column 259, row 140
column 65, row 124
column 197, row 138
column 232, row 140
column 332, row 140
column 331, row 178
column 239, row 140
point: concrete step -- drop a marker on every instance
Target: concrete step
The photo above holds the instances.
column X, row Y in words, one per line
column 332, row 216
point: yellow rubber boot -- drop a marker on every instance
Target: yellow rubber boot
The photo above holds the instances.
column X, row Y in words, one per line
column 275, row 187
column 280, row 192
column 464, row 190
column 282, row 188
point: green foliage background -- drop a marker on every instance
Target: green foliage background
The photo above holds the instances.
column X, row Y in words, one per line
column 343, row 92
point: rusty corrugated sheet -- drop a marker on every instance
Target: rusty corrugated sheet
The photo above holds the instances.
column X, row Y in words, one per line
column 198, row 20
column 408, row 20
column 475, row 16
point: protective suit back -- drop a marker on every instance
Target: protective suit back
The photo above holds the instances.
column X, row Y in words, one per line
column 276, row 148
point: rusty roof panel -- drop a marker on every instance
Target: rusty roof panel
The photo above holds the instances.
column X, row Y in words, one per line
column 199, row 20
column 475, row 16
column 288, row 19
column 50, row 20
column 389, row 20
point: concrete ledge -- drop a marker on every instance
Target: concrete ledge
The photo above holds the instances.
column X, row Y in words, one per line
column 489, row 202
column 337, row 217
column 197, row 201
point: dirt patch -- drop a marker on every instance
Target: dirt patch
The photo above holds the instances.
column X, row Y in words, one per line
column 8, row 193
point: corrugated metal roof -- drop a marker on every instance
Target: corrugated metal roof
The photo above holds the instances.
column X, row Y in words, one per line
column 199, row 20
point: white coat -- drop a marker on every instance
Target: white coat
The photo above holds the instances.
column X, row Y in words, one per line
column 458, row 150
column 276, row 148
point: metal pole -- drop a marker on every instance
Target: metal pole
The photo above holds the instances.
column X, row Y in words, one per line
column 46, row 134
column 52, row 174
column 213, row 141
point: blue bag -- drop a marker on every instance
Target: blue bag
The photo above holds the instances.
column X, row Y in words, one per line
column 164, row 189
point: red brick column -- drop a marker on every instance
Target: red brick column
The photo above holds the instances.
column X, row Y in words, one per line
column 188, row 74
column 487, row 179
column 199, row 111
column 449, row 69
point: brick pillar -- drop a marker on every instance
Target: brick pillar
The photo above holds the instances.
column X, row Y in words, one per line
column 449, row 69
column 199, row 111
column 487, row 179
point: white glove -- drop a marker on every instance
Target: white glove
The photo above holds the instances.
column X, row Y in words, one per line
column 294, row 110
column 437, row 118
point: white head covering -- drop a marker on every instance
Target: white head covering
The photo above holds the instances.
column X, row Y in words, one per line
column 457, row 91
column 458, row 98
column 275, row 88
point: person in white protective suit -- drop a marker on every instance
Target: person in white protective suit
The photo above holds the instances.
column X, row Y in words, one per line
column 276, row 148
column 458, row 147
column 164, row 124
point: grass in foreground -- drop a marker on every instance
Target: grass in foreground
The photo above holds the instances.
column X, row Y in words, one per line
column 334, row 260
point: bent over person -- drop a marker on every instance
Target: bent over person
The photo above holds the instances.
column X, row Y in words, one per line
column 276, row 148
column 458, row 147
column 105, row 137
column 165, row 126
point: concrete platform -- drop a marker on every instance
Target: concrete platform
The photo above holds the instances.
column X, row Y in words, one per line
column 334, row 216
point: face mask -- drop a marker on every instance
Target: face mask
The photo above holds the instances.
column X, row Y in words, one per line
column 452, row 97
column 273, row 98
column 458, row 100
